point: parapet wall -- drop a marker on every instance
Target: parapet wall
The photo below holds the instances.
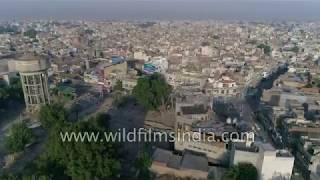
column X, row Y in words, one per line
column 31, row 64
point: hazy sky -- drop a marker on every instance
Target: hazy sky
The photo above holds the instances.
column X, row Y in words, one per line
column 161, row 9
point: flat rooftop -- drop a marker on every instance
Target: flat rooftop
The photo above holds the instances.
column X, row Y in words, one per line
column 195, row 109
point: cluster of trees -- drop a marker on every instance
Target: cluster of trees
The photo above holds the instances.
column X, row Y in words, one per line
column 216, row 37
column 75, row 159
column 241, row 171
column 19, row 136
column 88, row 159
column 314, row 83
column 295, row 49
column 119, row 99
column 266, row 48
column 12, row 92
column 142, row 163
column 31, row 33
column 53, row 115
column 205, row 43
column 317, row 82
column 152, row 92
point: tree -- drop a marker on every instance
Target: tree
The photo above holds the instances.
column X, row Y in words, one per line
column 216, row 37
column 76, row 108
column 88, row 159
column 19, row 136
column 15, row 89
column 247, row 172
column 3, row 97
column 211, row 175
column 308, row 85
column 118, row 98
column 142, row 163
column 9, row 176
column 152, row 91
column 12, row 92
column 317, row 82
column 102, row 121
column 52, row 114
column 85, row 159
column 295, row 49
column 31, row 33
column 118, row 86
column 241, row 171
column 14, row 176
column 205, row 43
column 101, row 54
column 266, row 48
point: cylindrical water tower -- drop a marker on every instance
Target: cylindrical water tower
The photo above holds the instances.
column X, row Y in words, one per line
column 34, row 80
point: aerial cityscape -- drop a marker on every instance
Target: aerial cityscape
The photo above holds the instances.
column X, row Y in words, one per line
column 186, row 95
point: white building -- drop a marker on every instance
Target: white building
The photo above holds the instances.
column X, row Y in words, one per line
column 271, row 164
column 314, row 166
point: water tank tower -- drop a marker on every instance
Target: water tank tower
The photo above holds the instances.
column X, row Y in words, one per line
column 34, row 80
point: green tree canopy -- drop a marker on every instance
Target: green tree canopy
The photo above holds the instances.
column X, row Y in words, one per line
column 67, row 160
column 152, row 91
column 12, row 92
column 52, row 114
column 19, row 136
column 142, row 163
column 266, row 48
column 12, row 176
column 241, row 171
column 84, row 159
column 15, row 89
column 295, row 49
column 31, row 33
column 3, row 97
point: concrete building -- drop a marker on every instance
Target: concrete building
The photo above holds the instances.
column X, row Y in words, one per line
column 206, row 51
column 114, row 71
column 314, row 165
column 194, row 118
column 140, row 55
column 7, row 70
column 271, row 163
column 224, row 86
column 34, row 80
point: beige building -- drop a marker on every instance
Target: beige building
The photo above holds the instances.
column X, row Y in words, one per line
column 116, row 71
column 140, row 55
column 224, row 86
column 34, row 80
column 191, row 116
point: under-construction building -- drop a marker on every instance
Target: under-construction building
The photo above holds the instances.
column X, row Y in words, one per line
column 34, row 80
